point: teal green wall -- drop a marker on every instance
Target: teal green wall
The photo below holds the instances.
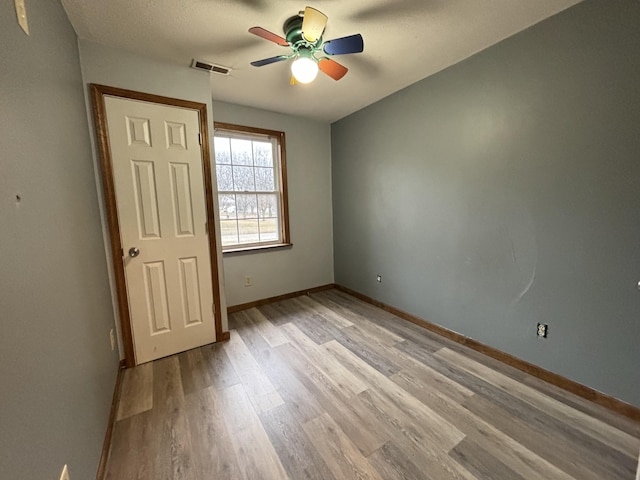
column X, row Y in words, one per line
column 505, row 191
column 57, row 370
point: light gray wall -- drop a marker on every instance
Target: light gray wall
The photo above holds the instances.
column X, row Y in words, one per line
column 505, row 191
column 309, row 263
column 118, row 68
column 57, row 370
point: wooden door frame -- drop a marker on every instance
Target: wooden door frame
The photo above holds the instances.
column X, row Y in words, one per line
column 98, row 93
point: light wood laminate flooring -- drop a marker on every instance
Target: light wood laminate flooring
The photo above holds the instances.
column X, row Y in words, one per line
column 328, row 387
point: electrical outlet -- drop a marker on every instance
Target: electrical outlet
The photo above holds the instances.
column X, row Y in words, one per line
column 543, row 330
column 379, row 278
column 248, row 281
column 112, row 338
column 65, row 474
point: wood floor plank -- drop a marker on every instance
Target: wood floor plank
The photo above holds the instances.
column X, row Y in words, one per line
column 353, row 308
column 194, row 371
column 583, row 405
column 337, row 374
column 553, row 436
column 172, row 438
column 383, row 334
column 137, row 391
column 452, row 371
column 595, row 428
column 418, row 350
column 259, row 388
column 441, row 431
column 221, row 371
column 503, row 447
column 374, row 333
column 383, row 318
column 414, row 437
column 392, row 463
column 296, row 452
column 272, row 335
column 132, row 451
column 550, row 443
column 481, row 463
column 284, row 311
column 336, row 319
column 352, row 417
column 275, row 313
column 426, row 379
column 256, row 455
column 395, row 358
column 367, row 352
column 339, row 453
column 317, row 328
column 212, row 445
column 301, row 403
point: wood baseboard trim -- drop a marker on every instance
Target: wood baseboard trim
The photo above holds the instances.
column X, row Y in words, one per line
column 106, row 446
column 571, row 386
column 265, row 301
column 224, row 336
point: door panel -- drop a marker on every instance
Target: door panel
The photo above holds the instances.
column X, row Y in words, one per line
column 181, row 190
column 160, row 200
column 146, row 195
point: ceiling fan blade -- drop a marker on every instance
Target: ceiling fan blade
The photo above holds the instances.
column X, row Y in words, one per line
column 267, row 35
column 332, row 68
column 313, row 24
column 341, row 46
column 267, row 61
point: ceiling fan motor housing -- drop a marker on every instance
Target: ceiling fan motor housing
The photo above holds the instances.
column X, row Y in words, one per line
column 293, row 33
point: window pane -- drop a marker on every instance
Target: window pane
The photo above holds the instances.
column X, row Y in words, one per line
column 248, row 230
column 227, row 205
column 222, row 149
column 241, row 153
column 224, row 177
column 247, row 206
column 229, row 232
column 264, row 179
column 263, row 154
column 250, row 183
column 269, row 230
column 243, row 179
column 268, row 206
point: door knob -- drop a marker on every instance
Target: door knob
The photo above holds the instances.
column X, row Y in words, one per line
column 134, row 252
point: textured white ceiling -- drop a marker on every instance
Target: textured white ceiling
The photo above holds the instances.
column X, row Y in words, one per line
column 405, row 41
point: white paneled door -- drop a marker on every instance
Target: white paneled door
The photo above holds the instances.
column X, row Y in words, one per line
column 160, row 196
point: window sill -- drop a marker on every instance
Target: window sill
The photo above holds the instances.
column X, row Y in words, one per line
column 255, row 249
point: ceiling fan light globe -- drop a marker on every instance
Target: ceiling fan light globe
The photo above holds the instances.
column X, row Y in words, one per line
column 304, row 69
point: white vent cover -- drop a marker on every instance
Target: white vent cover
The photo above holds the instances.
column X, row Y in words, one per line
column 210, row 67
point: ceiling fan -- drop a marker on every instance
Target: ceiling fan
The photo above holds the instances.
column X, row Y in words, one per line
column 303, row 34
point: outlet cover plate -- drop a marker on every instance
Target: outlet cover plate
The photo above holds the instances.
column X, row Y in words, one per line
column 543, row 330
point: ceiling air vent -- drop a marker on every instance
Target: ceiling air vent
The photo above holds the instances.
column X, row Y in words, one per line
column 210, row 67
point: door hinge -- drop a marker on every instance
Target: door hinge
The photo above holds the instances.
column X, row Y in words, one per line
column 200, row 138
column 206, row 228
column 122, row 252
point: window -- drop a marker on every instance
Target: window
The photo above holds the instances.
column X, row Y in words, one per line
column 252, row 187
